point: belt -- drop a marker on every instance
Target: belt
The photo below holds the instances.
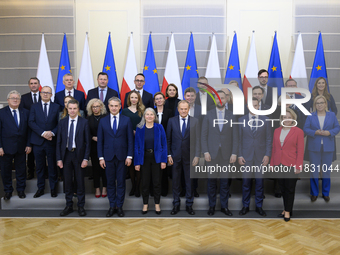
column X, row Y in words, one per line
column 149, row 150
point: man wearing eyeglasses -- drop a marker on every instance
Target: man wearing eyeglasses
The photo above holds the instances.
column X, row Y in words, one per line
column 268, row 91
column 14, row 144
column 43, row 121
column 147, row 97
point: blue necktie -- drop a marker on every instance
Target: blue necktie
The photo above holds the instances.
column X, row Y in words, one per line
column 114, row 127
column 15, row 117
column 70, row 136
column 183, row 127
column 220, row 117
column 45, row 110
column 253, row 128
column 35, row 98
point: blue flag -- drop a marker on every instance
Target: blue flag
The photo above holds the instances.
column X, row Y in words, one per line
column 150, row 70
column 233, row 69
column 319, row 66
column 109, row 67
column 64, row 66
column 190, row 74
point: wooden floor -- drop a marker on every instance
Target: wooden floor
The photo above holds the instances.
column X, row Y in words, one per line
column 168, row 236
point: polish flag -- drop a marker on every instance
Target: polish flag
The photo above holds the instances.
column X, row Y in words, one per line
column 250, row 75
column 213, row 66
column 171, row 74
column 299, row 72
column 44, row 71
column 85, row 79
column 130, row 72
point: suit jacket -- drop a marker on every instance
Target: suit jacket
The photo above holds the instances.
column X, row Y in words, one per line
column 82, row 139
column 212, row 137
column 210, row 102
column 78, row 95
column 255, row 146
column 263, row 107
column 14, row 139
column 119, row 144
column 160, row 146
column 167, row 114
column 147, row 99
column 93, row 93
column 27, row 101
column 179, row 147
column 269, row 97
column 330, row 103
column 291, row 153
column 39, row 124
column 312, row 124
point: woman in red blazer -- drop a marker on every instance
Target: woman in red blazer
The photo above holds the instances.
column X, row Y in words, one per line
column 288, row 150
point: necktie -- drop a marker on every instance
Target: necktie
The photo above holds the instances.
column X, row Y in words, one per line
column 183, row 127
column 35, row 98
column 101, row 97
column 114, row 126
column 220, row 117
column 253, row 124
column 70, row 136
column 293, row 105
column 15, row 117
column 45, row 110
column 69, row 93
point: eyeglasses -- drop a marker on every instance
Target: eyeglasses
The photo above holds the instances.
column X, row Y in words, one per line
column 320, row 103
column 98, row 106
column 45, row 93
column 141, row 81
column 266, row 77
column 14, row 98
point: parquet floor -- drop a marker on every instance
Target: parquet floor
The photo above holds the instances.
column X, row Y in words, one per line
column 168, row 236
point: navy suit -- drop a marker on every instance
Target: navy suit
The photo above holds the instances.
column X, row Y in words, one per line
column 330, row 103
column 13, row 140
column 269, row 97
column 182, row 153
column 94, row 93
column 115, row 148
column 43, row 148
column 253, row 146
column 72, row 159
column 220, row 145
column 147, row 99
column 78, row 95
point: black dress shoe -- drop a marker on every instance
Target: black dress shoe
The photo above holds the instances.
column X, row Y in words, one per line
column 196, row 194
column 286, row 219
column 211, row 211
column 175, row 210
column 226, row 211
column 313, row 198
column 39, row 193
column 132, row 192
column 54, row 193
column 278, row 195
column 260, row 211
column 21, row 194
column 66, row 211
column 81, row 211
column 326, row 198
column 7, row 196
column 182, row 194
column 158, row 212
column 281, row 215
column 111, row 212
column 30, row 176
column 120, row 212
column 190, row 210
column 244, row 210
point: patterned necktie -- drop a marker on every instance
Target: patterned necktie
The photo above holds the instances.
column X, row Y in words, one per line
column 69, row 93
column 35, row 98
column 253, row 125
column 70, row 136
column 220, row 117
column 45, row 110
column 15, row 117
column 184, row 126
column 101, row 97
column 114, row 126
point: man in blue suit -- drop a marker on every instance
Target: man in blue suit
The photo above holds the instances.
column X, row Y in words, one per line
column 255, row 145
column 147, row 97
column 69, row 90
column 14, row 144
column 220, row 146
column 102, row 92
column 26, row 102
column 73, row 152
column 268, row 91
column 115, row 151
column 43, row 121
column 181, row 154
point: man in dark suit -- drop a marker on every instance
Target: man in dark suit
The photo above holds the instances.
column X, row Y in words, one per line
column 102, row 92
column 43, row 121
column 268, row 91
column 14, row 144
column 181, row 154
column 115, row 151
column 26, row 101
column 255, row 145
column 202, row 95
column 220, row 146
column 73, row 151
column 147, row 97
column 69, row 90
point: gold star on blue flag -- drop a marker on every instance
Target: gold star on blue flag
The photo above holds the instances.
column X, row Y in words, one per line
column 150, row 70
column 64, row 64
column 190, row 74
column 233, row 71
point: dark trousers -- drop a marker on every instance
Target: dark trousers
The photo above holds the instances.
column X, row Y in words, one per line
column 30, row 163
column 165, row 181
column 287, row 187
column 20, row 171
column 73, row 170
column 177, row 169
column 151, row 171
column 98, row 172
column 41, row 152
column 116, row 171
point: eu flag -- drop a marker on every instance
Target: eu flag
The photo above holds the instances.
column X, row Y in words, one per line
column 109, row 67
column 233, row 69
column 64, row 66
column 319, row 66
column 275, row 78
column 150, row 70
column 190, row 74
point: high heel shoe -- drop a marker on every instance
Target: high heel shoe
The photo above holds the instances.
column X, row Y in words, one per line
column 145, row 212
column 104, row 195
column 281, row 215
column 286, row 219
column 158, row 212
